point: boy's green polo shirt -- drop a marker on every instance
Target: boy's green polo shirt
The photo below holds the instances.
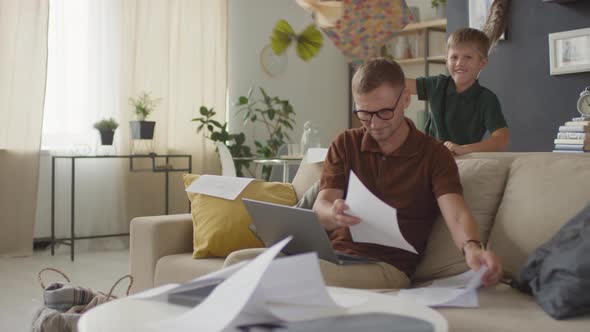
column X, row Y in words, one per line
column 467, row 115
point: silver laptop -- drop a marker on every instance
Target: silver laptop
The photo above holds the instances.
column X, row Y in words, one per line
column 273, row 222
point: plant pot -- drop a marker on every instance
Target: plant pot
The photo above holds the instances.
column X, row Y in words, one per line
column 106, row 137
column 142, row 129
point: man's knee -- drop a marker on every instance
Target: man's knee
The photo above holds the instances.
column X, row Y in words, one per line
column 242, row 255
column 366, row 276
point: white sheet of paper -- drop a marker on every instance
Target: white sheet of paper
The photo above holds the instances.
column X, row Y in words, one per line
column 279, row 286
column 379, row 221
column 447, row 297
column 458, row 281
column 440, row 297
column 219, row 186
column 316, row 155
column 227, row 300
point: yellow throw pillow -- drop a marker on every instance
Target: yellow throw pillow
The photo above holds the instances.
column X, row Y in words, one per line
column 220, row 226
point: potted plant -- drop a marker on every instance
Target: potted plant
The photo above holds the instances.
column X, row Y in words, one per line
column 441, row 8
column 106, row 127
column 277, row 116
column 218, row 133
column 143, row 106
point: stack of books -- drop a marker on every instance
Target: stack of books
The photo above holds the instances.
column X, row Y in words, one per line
column 574, row 136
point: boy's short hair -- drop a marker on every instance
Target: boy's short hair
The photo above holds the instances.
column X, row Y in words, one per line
column 471, row 36
column 373, row 73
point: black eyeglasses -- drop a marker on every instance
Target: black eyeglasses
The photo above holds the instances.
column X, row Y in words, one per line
column 383, row 114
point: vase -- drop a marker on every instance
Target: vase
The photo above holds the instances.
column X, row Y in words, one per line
column 441, row 11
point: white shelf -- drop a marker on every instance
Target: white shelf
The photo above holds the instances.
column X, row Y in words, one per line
column 415, row 27
column 440, row 59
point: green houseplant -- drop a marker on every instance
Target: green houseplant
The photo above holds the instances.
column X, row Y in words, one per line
column 440, row 6
column 217, row 132
column 143, row 106
column 106, row 127
column 275, row 114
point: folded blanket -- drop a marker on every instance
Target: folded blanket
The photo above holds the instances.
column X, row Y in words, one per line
column 62, row 297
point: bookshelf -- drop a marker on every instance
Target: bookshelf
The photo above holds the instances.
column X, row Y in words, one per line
column 423, row 55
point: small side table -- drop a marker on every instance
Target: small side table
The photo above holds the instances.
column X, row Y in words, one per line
column 281, row 161
column 278, row 161
column 166, row 169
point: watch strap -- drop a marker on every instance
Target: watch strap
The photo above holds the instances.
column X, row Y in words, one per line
column 477, row 242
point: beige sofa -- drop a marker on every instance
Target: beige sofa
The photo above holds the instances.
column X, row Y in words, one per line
column 519, row 200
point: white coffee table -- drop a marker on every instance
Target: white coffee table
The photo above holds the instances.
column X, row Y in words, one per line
column 133, row 314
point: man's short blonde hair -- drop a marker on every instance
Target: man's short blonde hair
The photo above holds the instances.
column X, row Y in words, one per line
column 373, row 73
column 472, row 37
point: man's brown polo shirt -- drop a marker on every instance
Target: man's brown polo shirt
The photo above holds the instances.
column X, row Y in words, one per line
column 410, row 179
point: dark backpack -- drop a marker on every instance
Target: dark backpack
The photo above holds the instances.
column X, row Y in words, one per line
column 557, row 274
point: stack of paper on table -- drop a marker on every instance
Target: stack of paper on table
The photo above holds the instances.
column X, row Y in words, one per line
column 262, row 290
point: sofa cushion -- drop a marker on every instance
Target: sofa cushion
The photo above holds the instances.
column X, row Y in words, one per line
column 181, row 268
column 220, row 226
column 308, row 199
column 306, row 176
column 503, row 309
column 483, row 182
column 542, row 193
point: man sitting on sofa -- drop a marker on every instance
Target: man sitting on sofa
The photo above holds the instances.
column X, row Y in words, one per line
column 405, row 168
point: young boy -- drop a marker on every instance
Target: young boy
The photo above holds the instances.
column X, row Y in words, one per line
column 461, row 110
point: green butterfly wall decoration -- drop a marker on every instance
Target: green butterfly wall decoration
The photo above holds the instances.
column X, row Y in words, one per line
column 308, row 43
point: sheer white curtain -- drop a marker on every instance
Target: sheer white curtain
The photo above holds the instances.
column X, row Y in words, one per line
column 177, row 49
column 102, row 53
column 23, row 57
column 83, row 72
column 83, row 86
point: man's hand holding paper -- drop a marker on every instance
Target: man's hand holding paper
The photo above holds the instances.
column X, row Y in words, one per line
column 379, row 220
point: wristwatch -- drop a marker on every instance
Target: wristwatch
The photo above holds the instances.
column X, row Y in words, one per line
column 477, row 242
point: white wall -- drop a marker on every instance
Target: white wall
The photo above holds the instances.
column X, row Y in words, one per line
column 317, row 89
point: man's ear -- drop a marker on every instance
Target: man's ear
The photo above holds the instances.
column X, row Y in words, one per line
column 406, row 97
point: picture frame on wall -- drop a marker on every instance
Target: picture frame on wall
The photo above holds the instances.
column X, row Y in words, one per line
column 478, row 13
column 569, row 51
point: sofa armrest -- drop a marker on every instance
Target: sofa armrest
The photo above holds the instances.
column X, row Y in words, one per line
column 152, row 238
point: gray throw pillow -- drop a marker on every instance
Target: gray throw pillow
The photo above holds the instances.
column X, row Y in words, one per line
column 309, row 197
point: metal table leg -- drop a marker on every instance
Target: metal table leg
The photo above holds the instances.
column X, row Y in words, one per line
column 72, row 212
column 166, row 189
column 52, row 206
column 285, row 172
column 190, row 171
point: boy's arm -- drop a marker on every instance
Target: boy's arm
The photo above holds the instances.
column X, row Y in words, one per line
column 497, row 142
column 411, row 86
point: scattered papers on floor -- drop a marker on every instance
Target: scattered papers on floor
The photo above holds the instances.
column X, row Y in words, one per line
column 379, row 220
column 457, row 291
column 260, row 290
column 226, row 187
